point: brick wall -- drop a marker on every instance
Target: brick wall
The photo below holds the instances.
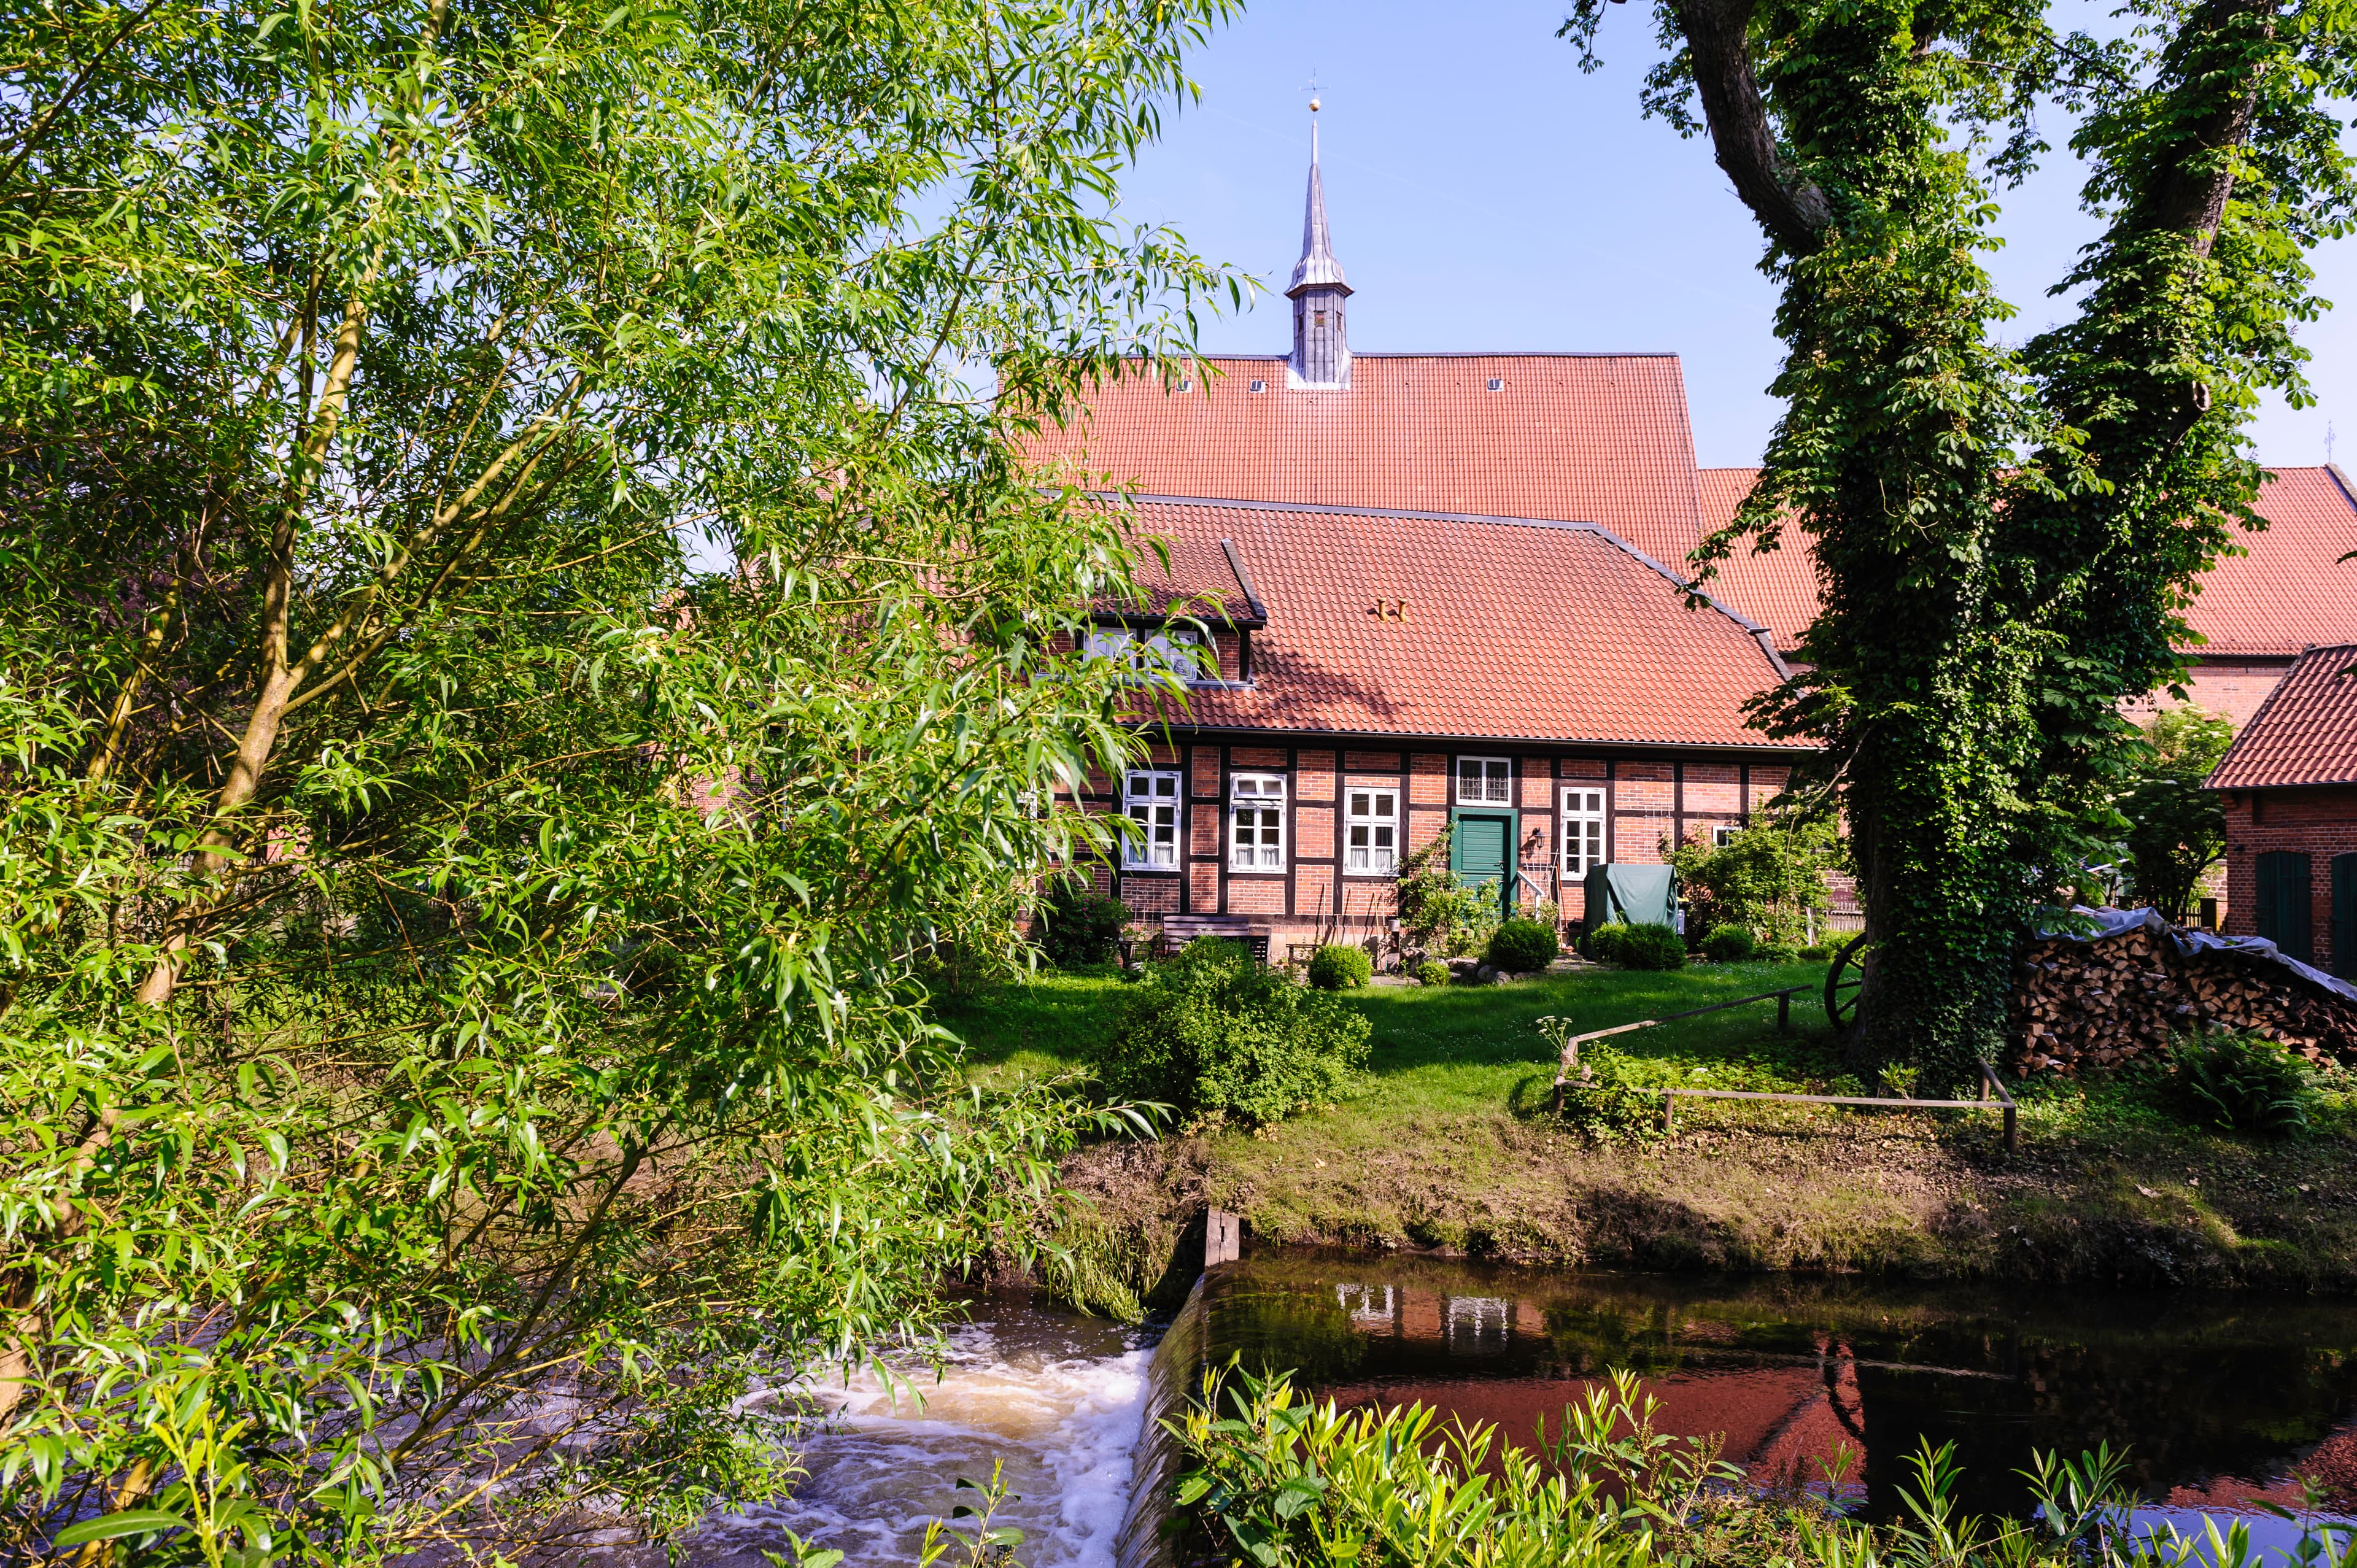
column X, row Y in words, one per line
column 2233, row 688
column 1647, row 798
column 2319, row 823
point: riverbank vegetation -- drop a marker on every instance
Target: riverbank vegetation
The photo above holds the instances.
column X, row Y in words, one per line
column 1279, row 1481
column 460, row 1013
column 1447, row 1142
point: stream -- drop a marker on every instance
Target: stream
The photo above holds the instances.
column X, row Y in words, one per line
column 2223, row 1401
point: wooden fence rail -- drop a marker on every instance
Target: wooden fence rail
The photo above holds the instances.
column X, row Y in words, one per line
column 2003, row 1102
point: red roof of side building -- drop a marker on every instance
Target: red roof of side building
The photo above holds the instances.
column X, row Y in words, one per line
column 1600, row 438
column 2305, row 732
column 2285, row 594
column 1416, row 624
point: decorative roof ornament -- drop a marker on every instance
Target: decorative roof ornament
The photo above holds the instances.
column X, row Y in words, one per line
column 1317, row 268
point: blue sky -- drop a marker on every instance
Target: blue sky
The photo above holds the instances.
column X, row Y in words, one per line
column 1485, row 195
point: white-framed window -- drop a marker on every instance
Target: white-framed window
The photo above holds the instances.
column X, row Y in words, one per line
column 1177, row 649
column 1371, row 824
column 1485, row 781
column 1583, row 830
column 1149, row 798
column 1723, row 834
column 1256, row 821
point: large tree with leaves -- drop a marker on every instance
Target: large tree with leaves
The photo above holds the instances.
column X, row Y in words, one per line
column 460, row 972
column 2003, row 541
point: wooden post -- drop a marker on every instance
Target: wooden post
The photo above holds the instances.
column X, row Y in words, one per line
column 1669, row 1111
column 2012, row 1134
column 1783, row 1010
column 1222, row 1236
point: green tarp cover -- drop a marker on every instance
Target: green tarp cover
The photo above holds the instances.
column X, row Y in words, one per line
column 1636, row 893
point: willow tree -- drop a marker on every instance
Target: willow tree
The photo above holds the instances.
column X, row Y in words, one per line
column 460, row 1023
column 2004, row 540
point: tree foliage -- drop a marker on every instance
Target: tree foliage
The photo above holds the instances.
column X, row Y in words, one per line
column 2005, row 540
column 457, row 1016
column 1767, row 878
column 2176, row 826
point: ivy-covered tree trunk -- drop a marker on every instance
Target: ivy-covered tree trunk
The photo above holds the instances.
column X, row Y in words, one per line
column 1985, row 614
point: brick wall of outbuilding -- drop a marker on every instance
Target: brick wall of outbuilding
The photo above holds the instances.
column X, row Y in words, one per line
column 2320, row 822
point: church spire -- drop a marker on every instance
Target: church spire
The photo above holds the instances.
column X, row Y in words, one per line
column 1321, row 350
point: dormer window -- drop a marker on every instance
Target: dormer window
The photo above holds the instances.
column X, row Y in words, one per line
column 1177, row 649
column 1259, row 386
column 1497, row 383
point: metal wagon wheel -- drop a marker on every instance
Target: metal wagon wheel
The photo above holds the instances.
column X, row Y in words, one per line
column 1841, row 994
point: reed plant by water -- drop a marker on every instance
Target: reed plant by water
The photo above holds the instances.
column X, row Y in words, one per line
column 1282, row 1481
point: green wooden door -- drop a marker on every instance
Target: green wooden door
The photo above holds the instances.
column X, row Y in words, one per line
column 1480, row 850
column 2344, row 916
column 2283, row 902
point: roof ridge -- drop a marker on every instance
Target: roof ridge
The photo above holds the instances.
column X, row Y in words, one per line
column 2252, row 726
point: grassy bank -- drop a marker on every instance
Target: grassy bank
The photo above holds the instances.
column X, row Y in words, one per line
column 1449, row 1146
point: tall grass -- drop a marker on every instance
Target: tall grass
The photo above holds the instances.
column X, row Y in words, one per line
column 1282, row 1482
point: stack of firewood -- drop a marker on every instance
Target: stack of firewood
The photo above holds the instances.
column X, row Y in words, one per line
column 2100, row 1003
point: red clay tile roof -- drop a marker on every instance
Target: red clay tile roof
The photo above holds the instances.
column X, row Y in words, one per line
column 1201, row 579
column 2305, row 732
column 1600, row 438
column 2285, row 594
column 1778, row 588
column 1514, row 630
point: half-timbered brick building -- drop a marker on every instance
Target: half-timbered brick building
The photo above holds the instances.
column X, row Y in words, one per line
column 1447, row 588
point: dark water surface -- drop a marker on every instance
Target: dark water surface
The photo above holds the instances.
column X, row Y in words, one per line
column 2221, row 1401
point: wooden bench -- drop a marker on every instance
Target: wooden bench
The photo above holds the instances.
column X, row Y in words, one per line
column 1178, row 931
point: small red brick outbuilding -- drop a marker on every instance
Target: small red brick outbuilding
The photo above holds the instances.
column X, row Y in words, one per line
column 2290, row 787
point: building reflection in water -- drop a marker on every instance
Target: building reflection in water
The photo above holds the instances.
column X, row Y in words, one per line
column 2222, row 1402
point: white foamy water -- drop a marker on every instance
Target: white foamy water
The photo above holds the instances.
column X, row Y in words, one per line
column 1056, row 1400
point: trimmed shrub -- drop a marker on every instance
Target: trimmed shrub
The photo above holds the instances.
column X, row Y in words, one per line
column 1219, row 1036
column 1078, row 926
column 1339, row 967
column 1432, row 971
column 2242, row 1083
column 1523, row 946
column 1652, row 946
column 1604, row 943
column 1728, row 944
column 1773, row 954
column 1817, row 953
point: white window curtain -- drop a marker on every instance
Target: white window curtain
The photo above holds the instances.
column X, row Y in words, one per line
column 1150, row 800
column 1485, row 781
column 1177, row 649
column 1373, row 825
column 1256, row 821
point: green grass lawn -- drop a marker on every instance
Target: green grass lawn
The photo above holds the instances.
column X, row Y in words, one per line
column 1456, row 1049
column 1448, row 1144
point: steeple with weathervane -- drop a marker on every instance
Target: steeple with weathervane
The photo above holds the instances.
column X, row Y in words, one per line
column 1321, row 350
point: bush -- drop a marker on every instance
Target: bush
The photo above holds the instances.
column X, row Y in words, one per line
column 1432, row 971
column 1728, row 944
column 1219, row 1036
column 1773, row 954
column 1078, row 926
column 1603, row 1098
column 1523, row 946
column 1817, row 953
column 1604, row 943
column 1652, row 946
column 2242, row 1083
column 1438, row 912
column 1339, row 967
